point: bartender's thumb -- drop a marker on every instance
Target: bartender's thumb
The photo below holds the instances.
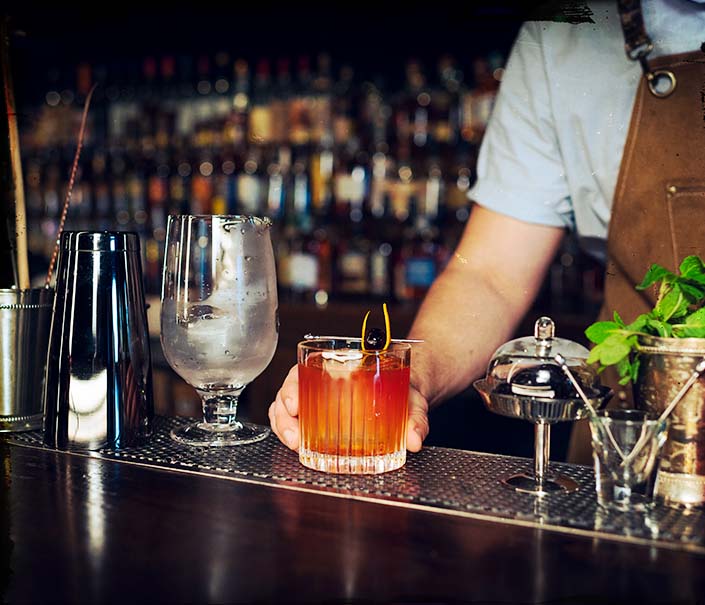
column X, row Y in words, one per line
column 417, row 428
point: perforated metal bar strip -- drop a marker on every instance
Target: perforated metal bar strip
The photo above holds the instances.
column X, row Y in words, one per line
column 445, row 480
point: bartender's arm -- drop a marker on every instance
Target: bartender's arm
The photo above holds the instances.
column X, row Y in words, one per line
column 474, row 306
column 477, row 302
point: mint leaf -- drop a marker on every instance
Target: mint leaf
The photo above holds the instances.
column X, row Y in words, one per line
column 636, row 362
column 600, row 330
column 672, row 304
column 624, row 367
column 654, row 274
column 618, row 320
column 683, row 331
column 694, row 326
column 659, row 328
column 594, row 356
column 697, row 318
column 698, row 279
column 693, row 292
column 613, row 349
column 639, row 323
column 692, row 267
column 624, row 380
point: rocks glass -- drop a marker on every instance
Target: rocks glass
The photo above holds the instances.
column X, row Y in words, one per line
column 353, row 406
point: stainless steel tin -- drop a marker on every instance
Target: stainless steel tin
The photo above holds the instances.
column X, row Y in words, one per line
column 99, row 379
column 25, row 318
column 666, row 364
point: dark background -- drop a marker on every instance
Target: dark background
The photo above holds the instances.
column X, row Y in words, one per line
column 376, row 38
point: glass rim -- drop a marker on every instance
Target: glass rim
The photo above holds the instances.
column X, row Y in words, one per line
column 317, row 344
column 239, row 219
column 629, row 416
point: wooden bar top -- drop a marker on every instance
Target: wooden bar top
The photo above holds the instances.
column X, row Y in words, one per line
column 80, row 529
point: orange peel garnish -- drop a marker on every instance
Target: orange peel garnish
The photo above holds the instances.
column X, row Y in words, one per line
column 387, row 330
column 364, row 329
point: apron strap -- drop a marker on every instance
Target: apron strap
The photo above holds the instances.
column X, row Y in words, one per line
column 638, row 45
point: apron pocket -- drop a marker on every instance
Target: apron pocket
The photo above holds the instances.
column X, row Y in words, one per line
column 686, row 214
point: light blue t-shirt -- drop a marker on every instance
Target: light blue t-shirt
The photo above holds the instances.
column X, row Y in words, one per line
column 553, row 146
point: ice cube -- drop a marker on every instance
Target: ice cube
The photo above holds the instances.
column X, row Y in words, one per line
column 341, row 362
column 197, row 313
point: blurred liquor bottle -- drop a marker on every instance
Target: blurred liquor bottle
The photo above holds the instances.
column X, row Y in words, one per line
column 236, row 124
column 305, row 251
column 282, row 92
column 278, row 183
column 119, row 189
column 260, row 119
column 300, row 105
column 478, row 99
column 251, row 183
column 352, row 189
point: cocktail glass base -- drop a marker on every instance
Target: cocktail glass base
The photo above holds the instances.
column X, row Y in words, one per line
column 357, row 465
column 529, row 484
column 202, row 434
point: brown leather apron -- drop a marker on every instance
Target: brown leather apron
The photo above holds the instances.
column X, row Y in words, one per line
column 658, row 212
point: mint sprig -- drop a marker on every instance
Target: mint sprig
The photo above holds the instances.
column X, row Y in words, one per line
column 679, row 312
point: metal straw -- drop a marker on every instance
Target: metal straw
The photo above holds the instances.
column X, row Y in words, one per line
column 699, row 369
column 356, row 338
column 69, row 189
column 561, row 361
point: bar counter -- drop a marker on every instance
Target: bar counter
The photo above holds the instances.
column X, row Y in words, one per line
column 164, row 524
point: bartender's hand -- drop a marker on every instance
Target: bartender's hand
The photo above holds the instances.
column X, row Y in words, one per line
column 284, row 415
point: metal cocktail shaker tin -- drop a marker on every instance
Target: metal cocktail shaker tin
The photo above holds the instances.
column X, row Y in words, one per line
column 98, row 389
column 25, row 318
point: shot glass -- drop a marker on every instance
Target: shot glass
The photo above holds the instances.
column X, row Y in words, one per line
column 352, row 406
column 625, row 445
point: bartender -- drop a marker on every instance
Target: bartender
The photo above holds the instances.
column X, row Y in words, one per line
column 583, row 136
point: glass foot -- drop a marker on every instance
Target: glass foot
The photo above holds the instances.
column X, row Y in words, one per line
column 528, row 484
column 203, row 434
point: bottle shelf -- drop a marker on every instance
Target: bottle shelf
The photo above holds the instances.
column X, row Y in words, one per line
column 367, row 186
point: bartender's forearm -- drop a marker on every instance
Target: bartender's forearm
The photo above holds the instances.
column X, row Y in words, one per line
column 478, row 301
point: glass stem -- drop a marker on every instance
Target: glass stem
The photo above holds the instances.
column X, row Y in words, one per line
column 220, row 408
column 542, row 448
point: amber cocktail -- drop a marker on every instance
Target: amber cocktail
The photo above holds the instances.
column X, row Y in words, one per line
column 352, row 406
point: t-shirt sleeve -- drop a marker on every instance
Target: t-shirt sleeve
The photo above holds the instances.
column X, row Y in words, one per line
column 520, row 170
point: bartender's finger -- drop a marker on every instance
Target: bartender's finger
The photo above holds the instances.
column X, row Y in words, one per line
column 289, row 391
column 284, row 425
column 418, row 427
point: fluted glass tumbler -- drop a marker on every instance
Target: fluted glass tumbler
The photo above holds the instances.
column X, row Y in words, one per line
column 219, row 317
column 352, row 406
column 626, row 445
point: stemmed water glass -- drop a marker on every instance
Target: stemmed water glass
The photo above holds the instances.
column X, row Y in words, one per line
column 219, row 317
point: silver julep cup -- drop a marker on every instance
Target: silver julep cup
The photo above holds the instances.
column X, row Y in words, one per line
column 98, row 390
column 25, row 318
column 666, row 365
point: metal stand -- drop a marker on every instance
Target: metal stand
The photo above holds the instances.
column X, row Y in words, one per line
column 541, row 483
